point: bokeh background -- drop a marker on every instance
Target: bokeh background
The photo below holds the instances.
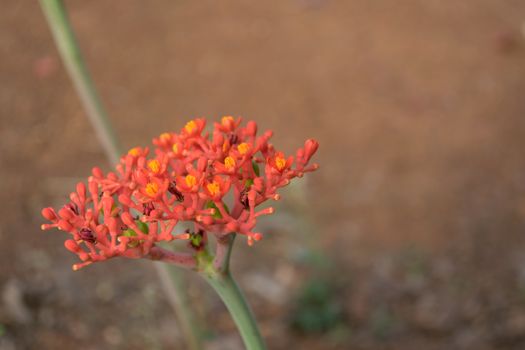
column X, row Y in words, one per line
column 410, row 236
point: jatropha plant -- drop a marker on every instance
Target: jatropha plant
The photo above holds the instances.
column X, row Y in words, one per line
column 213, row 182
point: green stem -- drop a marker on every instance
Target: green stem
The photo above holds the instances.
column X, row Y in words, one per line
column 216, row 271
column 231, row 295
column 71, row 56
column 173, row 283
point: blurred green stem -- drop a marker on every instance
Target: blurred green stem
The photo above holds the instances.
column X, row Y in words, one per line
column 172, row 280
column 71, row 56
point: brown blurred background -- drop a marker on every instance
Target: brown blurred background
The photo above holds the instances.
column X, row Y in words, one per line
column 410, row 236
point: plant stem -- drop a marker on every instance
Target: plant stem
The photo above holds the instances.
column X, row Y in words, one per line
column 216, row 271
column 69, row 50
column 231, row 295
column 173, row 283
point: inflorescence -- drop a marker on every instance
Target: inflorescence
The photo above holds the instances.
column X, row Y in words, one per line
column 213, row 181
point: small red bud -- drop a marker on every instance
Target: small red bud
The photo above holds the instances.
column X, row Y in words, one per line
column 72, row 246
column 127, row 219
column 93, row 188
column 64, row 225
column 66, row 213
column 251, row 128
column 81, row 190
column 310, row 147
column 97, row 172
column 49, row 214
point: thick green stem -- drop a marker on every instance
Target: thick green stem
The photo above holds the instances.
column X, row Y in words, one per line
column 231, row 295
column 71, row 56
column 216, row 271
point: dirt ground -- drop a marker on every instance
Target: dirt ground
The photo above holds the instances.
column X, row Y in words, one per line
column 414, row 227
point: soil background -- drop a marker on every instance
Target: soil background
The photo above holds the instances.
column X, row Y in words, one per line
column 413, row 230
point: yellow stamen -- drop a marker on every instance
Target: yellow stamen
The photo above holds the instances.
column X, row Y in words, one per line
column 166, row 136
column 226, row 119
column 135, row 151
column 213, row 188
column 280, row 163
column 190, row 126
column 190, row 180
column 154, row 166
column 243, row 148
column 229, row 163
column 151, row 189
column 175, row 148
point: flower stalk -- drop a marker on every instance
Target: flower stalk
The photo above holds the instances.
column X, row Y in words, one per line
column 233, row 298
column 71, row 55
column 219, row 277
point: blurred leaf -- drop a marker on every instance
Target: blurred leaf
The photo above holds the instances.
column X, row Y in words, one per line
column 340, row 334
column 414, row 262
column 382, row 322
column 314, row 258
column 317, row 309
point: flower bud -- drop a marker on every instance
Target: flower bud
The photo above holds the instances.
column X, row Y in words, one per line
column 127, row 219
column 81, row 190
column 49, row 214
column 202, row 164
column 66, row 213
column 64, row 225
column 72, row 246
column 97, row 172
column 310, row 147
column 124, row 199
column 93, row 188
column 218, row 139
column 251, row 128
column 111, row 223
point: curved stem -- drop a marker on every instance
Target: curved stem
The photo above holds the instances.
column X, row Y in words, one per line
column 69, row 50
column 173, row 283
column 72, row 58
column 231, row 295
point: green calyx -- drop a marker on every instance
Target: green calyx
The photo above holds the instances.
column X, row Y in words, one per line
column 142, row 226
column 205, row 262
column 255, row 167
column 131, row 233
column 196, row 239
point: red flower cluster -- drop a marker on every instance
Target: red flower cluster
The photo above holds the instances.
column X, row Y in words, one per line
column 194, row 177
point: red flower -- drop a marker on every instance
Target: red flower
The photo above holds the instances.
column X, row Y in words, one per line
column 217, row 188
column 214, row 182
column 279, row 163
column 194, row 127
